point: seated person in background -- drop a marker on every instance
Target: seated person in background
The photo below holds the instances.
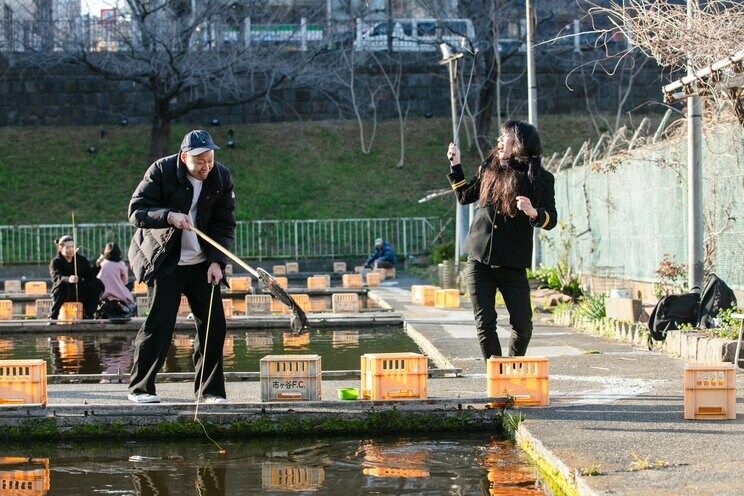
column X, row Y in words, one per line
column 116, row 300
column 73, row 279
column 383, row 256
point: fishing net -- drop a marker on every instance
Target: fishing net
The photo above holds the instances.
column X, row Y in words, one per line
column 298, row 320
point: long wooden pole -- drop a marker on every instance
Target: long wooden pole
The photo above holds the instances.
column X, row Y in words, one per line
column 227, row 252
column 74, row 257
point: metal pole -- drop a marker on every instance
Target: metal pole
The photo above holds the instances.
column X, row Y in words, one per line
column 695, row 179
column 460, row 229
column 532, row 107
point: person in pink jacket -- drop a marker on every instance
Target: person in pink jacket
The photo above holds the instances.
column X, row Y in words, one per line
column 114, row 275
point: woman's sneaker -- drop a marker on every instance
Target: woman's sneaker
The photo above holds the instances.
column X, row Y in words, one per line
column 144, row 398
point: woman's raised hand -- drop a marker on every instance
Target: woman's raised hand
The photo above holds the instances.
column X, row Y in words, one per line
column 453, row 154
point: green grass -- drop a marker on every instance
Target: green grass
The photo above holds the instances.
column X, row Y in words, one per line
column 281, row 170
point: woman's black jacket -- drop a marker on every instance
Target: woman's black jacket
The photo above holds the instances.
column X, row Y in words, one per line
column 498, row 240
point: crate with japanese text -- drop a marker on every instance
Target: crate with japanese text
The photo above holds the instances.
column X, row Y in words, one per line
column 447, row 298
column 710, row 391
column 290, row 378
column 351, row 280
column 257, row 304
column 523, row 379
column 43, row 307
column 345, row 302
column 36, row 287
column 23, row 381
column 389, row 376
column 291, row 477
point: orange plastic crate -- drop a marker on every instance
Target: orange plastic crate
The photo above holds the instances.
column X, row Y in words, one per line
column 302, row 300
column 292, row 267
column 242, row 283
column 351, row 280
column 372, row 278
column 43, row 307
column 423, row 294
column 36, row 287
column 282, row 281
column 279, row 270
column 72, row 310
column 290, row 378
column 317, row 282
column 6, row 309
column 23, row 381
column 228, row 307
column 139, row 288
column 710, row 391
column 257, row 304
column 21, row 476
column 339, row 267
column 523, row 378
column 345, row 302
column 184, row 308
column 447, row 298
column 318, row 305
column 387, row 376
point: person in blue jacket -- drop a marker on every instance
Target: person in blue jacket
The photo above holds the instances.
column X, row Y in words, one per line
column 383, row 257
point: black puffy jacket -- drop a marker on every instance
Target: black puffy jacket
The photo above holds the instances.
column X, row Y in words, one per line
column 496, row 239
column 165, row 188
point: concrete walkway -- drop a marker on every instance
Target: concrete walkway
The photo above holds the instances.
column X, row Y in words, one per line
column 616, row 411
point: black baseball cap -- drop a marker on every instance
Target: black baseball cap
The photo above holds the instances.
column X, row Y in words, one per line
column 197, row 142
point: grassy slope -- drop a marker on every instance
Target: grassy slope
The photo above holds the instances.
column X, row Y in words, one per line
column 281, row 171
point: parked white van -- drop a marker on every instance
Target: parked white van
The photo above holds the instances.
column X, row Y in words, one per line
column 414, row 35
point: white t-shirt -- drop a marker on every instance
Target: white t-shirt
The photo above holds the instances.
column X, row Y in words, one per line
column 191, row 252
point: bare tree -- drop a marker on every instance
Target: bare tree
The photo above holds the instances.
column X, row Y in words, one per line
column 663, row 30
column 187, row 55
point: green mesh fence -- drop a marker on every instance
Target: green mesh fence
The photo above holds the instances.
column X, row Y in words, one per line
column 621, row 223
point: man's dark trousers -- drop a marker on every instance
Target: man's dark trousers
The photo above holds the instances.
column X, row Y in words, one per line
column 483, row 282
column 155, row 336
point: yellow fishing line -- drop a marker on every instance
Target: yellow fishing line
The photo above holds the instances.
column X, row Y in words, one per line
column 201, row 375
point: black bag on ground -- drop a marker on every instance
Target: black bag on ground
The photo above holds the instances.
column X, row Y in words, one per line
column 716, row 296
column 670, row 312
column 114, row 310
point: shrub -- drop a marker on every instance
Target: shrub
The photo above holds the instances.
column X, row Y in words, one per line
column 442, row 252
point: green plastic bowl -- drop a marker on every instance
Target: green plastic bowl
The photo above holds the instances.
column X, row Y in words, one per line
column 348, row 393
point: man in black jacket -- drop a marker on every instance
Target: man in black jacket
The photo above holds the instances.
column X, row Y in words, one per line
column 178, row 192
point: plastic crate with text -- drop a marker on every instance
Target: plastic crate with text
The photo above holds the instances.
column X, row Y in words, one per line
column 710, row 391
column 389, row 376
column 257, row 304
column 290, row 378
column 6, row 309
column 36, row 287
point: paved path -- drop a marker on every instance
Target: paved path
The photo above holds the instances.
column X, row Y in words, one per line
column 614, row 408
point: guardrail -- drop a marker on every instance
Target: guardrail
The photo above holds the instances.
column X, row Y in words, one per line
column 258, row 239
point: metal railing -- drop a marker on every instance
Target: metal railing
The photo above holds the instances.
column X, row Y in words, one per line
column 259, row 239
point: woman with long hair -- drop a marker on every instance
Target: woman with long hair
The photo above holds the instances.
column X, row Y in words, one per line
column 515, row 195
column 114, row 275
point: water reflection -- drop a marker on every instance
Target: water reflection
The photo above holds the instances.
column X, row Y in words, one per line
column 454, row 465
column 111, row 352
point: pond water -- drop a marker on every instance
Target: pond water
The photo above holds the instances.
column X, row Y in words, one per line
column 461, row 465
column 96, row 352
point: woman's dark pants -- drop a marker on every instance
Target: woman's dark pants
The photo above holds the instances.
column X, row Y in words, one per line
column 483, row 282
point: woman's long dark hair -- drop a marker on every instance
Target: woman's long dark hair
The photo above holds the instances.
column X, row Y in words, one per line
column 112, row 252
column 499, row 186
